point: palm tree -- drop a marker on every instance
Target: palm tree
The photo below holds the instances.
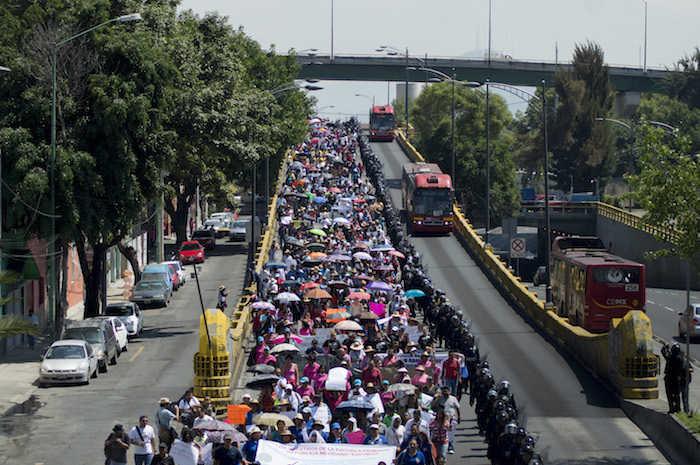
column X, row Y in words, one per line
column 14, row 325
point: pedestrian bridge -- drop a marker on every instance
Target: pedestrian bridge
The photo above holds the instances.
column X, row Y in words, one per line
column 514, row 72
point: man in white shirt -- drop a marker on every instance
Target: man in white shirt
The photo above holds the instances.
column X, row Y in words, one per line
column 143, row 438
column 186, row 406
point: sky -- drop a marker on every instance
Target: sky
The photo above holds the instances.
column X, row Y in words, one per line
column 535, row 30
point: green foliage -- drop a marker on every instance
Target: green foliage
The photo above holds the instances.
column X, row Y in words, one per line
column 691, row 420
column 181, row 97
column 582, row 147
column 684, row 83
column 676, row 113
column 432, row 119
column 15, row 325
column 668, row 188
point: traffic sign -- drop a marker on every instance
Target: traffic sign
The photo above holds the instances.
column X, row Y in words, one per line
column 517, row 248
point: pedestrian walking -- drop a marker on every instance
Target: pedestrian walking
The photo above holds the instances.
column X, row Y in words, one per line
column 143, row 438
column 116, row 445
column 35, row 321
column 164, row 418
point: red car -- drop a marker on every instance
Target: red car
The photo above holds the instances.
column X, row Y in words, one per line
column 191, row 252
column 206, row 237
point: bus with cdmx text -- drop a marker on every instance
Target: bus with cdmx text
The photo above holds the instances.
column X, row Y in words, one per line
column 427, row 199
column 591, row 286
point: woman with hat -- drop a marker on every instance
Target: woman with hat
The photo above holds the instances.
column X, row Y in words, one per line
column 336, row 436
column 357, row 355
column 222, row 298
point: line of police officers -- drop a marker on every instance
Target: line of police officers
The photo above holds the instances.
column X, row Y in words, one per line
column 495, row 407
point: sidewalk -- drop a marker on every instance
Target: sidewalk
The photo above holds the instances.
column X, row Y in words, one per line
column 19, row 369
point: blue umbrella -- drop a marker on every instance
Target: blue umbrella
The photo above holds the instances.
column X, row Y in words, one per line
column 411, row 293
column 320, row 200
column 354, row 405
column 379, row 286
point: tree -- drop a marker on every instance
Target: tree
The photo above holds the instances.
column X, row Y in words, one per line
column 582, row 148
column 432, row 118
column 684, row 83
column 674, row 112
column 671, row 204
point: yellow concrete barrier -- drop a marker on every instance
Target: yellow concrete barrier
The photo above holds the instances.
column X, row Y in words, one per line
column 631, row 374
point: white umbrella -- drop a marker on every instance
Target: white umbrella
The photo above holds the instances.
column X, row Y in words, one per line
column 287, row 297
column 348, row 325
column 341, row 220
column 362, row 256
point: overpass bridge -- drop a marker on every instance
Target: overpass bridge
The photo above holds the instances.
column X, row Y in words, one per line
column 514, row 72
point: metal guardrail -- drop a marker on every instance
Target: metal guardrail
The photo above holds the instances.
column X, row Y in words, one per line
column 636, row 221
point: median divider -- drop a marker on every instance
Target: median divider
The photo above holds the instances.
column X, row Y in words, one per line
column 623, row 357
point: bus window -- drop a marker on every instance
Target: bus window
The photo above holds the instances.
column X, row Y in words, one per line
column 616, row 275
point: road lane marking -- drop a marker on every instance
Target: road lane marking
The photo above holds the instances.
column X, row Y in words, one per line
column 651, row 302
column 669, row 309
column 133, row 357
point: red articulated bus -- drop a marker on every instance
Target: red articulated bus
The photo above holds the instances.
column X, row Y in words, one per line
column 427, row 198
column 381, row 123
column 591, row 286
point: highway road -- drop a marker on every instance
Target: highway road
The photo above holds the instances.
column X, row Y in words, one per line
column 577, row 419
column 72, row 425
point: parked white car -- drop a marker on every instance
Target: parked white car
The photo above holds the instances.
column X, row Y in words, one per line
column 130, row 314
column 119, row 330
column 68, row 361
column 180, row 270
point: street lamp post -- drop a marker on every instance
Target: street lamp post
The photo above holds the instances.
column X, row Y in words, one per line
column 3, row 69
column 445, row 78
column 52, row 240
column 367, row 97
column 528, row 97
column 488, row 164
column 395, row 51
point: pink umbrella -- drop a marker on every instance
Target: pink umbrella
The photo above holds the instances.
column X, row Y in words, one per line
column 293, row 337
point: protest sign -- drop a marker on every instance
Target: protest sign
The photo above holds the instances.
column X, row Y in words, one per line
column 274, row 453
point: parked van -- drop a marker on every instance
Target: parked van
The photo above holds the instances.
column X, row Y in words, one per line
column 101, row 337
column 159, row 273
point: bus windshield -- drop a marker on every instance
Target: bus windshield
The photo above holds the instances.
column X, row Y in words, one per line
column 382, row 122
column 615, row 275
column 432, row 202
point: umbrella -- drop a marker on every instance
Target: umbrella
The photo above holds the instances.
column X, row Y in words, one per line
column 308, row 285
column 293, row 337
column 287, row 297
column 318, row 232
column 360, row 245
column 382, row 248
column 274, row 264
column 217, row 437
column 290, row 283
column 354, row 405
column 310, row 195
column 262, row 306
column 402, row 387
column 348, row 325
column 341, row 220
column 261, row 368
column 338, row 284
column 282, row 349
column 397, row 253
column 297, row 165
column 368, row 316
column 320, row 200
column 317, row 255
column 285, row 220
column 337, row 314
column 411, row 293
column 362, row 277
column 317, row 293
column 336, row 257
column 379, row 286
column 264, row 379
column 293, row 241
column 215, row 425
column 359, row 296
column 271, row 419
column 362, row 256
column 316, row 246
column 384, row 268
column 335, row 190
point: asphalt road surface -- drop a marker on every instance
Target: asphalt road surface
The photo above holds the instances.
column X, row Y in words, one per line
column 577, row 419
column 72, row 425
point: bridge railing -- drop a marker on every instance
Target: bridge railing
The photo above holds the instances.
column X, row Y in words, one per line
column 636, row 221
